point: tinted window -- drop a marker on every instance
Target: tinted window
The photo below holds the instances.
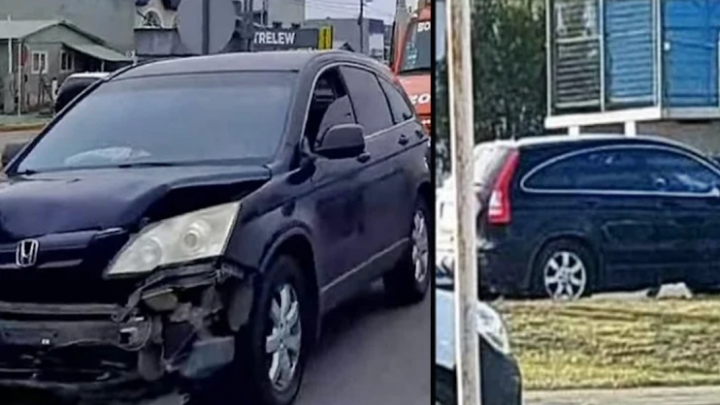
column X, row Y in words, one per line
column 401, row 108
column 602, row 170
column 330, row 106
column 417, row 54
column 677, row 173
column 170, row 119
column 368, row 99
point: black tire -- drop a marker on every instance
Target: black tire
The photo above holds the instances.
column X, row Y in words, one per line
column 253, row 385
column 555, row 249
column 401, row 284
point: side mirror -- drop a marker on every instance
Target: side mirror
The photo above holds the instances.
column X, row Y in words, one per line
column 341, row 142
column 11, row 150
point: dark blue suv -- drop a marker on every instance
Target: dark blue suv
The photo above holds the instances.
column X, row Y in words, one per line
column 192, row 220
column 565, row 217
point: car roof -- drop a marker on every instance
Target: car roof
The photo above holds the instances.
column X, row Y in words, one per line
column 92, row 75
column 292, row 60
column 550, row 140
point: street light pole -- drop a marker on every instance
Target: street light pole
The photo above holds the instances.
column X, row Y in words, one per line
column 462, row 143
column 361, row 20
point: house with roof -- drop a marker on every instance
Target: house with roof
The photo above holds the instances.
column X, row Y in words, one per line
column 34, row 52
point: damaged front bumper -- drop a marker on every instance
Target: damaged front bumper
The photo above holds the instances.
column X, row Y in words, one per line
column 180, row 324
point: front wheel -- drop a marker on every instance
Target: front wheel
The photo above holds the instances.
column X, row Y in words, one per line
column 274, row 348
column 409, row 281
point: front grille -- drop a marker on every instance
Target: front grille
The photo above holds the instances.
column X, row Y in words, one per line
column 67, row 272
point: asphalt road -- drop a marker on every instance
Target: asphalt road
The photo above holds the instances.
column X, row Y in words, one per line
column 370, row 353
column 11, row 137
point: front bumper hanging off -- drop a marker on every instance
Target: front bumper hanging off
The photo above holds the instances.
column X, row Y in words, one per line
column 178, row 325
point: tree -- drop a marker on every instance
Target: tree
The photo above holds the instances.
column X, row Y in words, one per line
column 508, row 74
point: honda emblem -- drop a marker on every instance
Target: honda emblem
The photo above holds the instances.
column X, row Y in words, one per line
column 26, row 253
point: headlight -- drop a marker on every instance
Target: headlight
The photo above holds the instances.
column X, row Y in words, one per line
column 196, row 235
column 492, row 328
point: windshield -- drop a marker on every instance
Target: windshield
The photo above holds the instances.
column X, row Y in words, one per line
column 417, row 54
column 178, row 119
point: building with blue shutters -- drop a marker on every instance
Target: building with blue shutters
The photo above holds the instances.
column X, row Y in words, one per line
column 635, row 66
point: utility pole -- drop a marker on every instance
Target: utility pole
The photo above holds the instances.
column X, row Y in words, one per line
column 361, row 20
column 251, row 27
column 462, row 143
column 206, row 27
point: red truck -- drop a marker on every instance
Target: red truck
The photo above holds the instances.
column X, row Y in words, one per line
column 413, row 59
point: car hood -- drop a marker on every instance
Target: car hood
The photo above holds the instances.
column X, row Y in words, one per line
column 97, row 199
column 418, row 88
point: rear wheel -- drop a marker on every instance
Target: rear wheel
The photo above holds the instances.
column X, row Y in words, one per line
column 409, row 281
column 564, row 271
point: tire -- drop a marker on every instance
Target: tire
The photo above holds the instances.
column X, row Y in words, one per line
column 568, row 262
column 408, row 283
column 252, row 365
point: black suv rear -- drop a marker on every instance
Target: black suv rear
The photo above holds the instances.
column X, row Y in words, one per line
column 565, row 217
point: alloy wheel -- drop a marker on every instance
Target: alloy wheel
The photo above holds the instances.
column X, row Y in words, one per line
column 565, row 276
column 284, row 341
column 420, row 246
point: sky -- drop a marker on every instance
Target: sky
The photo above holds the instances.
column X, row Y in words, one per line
column 377, row 9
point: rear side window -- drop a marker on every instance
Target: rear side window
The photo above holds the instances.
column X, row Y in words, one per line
column 400, row 106
column 600, row 170
column 639, row 169
column 368, row 100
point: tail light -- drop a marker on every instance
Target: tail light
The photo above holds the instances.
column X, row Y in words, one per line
column 499, row 211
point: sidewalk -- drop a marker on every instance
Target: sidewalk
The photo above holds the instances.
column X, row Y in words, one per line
column 27, row 122
column 640, row 396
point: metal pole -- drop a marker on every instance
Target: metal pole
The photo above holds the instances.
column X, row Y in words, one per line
column 20, row 76
column 251, row 28
column 206, row 27
column 361, row 19
column 466, row 270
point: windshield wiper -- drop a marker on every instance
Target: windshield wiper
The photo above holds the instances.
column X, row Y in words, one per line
column 146, row 164
column 25, row 173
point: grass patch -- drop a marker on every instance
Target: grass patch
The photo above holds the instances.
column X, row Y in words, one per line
column 616, row 344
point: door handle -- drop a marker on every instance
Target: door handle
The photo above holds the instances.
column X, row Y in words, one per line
column 403, row 140
column 364, row 157
column 420, row 134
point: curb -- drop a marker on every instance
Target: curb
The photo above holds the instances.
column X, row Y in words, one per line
column 22, row 127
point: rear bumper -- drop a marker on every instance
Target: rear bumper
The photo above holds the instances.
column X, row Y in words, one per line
column 504, row 267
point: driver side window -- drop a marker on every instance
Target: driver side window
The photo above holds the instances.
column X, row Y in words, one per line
column 330, row 106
